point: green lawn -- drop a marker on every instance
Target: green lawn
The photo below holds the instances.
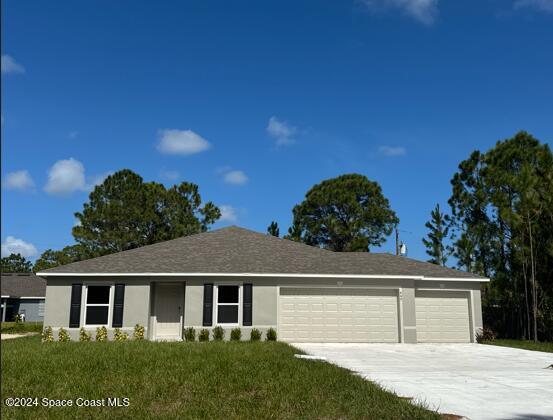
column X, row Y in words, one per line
column 192, row 380
column 523, row 344
column 20, row 327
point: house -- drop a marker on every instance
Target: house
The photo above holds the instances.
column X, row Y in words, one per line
column 234, row 277
column 24, row 294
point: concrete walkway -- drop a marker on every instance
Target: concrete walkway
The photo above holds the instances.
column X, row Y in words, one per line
column 11, row 336
column 471, row 380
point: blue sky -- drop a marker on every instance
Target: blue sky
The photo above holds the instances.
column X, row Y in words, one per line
column 258, row 101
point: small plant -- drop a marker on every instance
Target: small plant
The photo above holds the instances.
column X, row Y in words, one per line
column 485, row 334
column 190, row 334
column 84, row 335
column 235, row 334
column 63, row 335
column 271, row 335
column 203, row 335
column 47, row 335
column 218, row 333
column 101, row 334
column 118, row 335
column 18, row 319
column 138, row 332
column 255, row 335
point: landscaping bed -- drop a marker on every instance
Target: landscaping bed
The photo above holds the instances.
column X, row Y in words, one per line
column 190, row 380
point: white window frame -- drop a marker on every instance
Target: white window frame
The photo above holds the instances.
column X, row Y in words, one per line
column 85, row 305
column 216, row 305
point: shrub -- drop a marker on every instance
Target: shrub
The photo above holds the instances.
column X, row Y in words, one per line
column 63, row 335
column 235, row 334
column 18, row 319
column 255, row 335
column 118, row 335
column 138, row 332
column 47, row 335
column 84, row 335
column 271, row 335
column 101, row 334
column 190, row 334
column 218, row 333
column 203, row 335
column 486, row 334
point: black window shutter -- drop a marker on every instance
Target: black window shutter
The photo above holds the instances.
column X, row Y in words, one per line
column 247, row 310
column 75, row 308
column 118, row 300
column 208, row 305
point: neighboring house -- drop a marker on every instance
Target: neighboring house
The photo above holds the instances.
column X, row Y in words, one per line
column 235, row 277
column 24, row 294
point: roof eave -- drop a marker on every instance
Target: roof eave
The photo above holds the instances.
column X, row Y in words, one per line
column 314, row 275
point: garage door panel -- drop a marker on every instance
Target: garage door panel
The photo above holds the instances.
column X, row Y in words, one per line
column 442, row 317
column 338, row 315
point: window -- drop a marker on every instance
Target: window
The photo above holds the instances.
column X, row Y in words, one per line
column 228, row 304
column 97, row 305
column 41, row 309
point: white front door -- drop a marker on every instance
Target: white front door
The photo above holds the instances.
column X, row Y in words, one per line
column 169, row 300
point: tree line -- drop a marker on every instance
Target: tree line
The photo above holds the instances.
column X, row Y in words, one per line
column 499, row 224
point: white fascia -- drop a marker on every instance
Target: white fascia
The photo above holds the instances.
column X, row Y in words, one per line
column 337, row 276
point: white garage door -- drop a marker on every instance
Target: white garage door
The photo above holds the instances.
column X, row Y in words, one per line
column 338, row 315
column 442, row 317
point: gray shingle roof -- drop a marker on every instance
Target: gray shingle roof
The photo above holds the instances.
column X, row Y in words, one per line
column 22, row 285
column 237, row 250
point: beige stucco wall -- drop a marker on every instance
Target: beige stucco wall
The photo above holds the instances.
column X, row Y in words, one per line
column 58, row 301
column 266, row 290
column 140, row 298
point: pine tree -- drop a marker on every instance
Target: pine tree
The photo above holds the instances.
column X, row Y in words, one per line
column 438, row 228
column 16, row 263
column 273, row 229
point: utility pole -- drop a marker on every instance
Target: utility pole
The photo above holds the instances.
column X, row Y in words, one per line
column 397, row 241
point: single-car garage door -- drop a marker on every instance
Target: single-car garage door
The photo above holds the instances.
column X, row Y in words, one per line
column 442, row 317
column 338, row 315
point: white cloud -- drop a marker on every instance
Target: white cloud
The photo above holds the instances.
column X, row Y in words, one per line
column 425, row 11
column 392, row 150
column 66, row 176
column 235, row 178
column 10, row 66
column 181, row 142
column 18, row 246
column 19, row 180
column 228, row 214
column 541, row 5
column 281, row 131
column 169, row 175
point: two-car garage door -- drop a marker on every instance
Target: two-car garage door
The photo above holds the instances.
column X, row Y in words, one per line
column 338, row 315
column 370, row 315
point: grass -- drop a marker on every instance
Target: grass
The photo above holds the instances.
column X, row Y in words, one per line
column 190, row 380
column 522, row 344
column 20, row 327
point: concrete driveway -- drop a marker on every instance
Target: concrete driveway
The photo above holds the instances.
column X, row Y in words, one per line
column 471, row 380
